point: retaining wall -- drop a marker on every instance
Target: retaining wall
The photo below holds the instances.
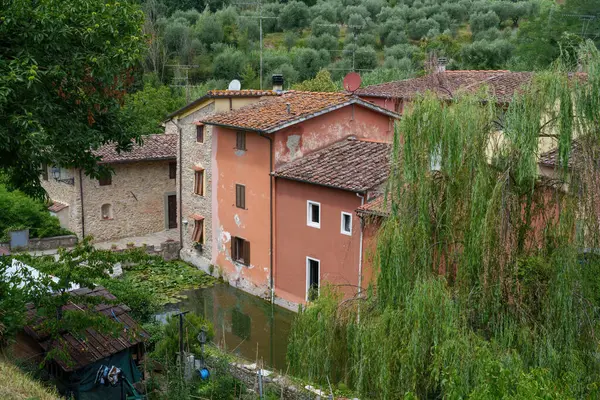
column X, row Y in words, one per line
column 51, row 243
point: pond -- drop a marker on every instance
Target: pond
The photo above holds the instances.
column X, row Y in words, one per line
column 244, row 324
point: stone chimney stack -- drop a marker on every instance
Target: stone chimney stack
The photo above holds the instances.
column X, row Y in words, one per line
column 277, row 82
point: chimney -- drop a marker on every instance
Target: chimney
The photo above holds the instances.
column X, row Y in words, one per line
column 288, row 108
column 277, row 82
column 441, row 64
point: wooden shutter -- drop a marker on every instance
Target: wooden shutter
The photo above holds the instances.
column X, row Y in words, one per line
column 234, row 253
column 240, row 196
column 240, row 141
column 172, row 170
column 105, row 180
column 200, row 133
column 199, row 183
column 246, row 250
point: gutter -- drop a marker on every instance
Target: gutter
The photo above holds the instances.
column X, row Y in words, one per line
column 360, row 246
column 271, row 179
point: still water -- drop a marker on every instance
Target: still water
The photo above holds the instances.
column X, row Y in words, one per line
column 245, row 325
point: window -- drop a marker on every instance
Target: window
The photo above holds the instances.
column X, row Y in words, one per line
column 313, row 214
column 313, row 267
column 198, row 234
column 346, row 227
column 240, row 141
column 435, row 159
column 199, row 182
column 240, row 250
column 240, row 196
column 106, row 211
column 105, row 180
column 45, row 171
column 172, row 170
column 200, row 133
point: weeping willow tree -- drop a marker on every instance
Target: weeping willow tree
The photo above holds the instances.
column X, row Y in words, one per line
column 488, row 285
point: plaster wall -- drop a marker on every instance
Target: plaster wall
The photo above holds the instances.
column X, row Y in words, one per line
column 137, row 195
column 338, row 253
column 298, row 140
column 249, row 168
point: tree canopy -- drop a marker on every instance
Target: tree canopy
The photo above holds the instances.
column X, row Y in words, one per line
column 65, row 68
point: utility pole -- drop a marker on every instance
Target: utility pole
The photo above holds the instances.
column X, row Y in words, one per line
column 186, row 78
column 260, row 18
column 181, row 352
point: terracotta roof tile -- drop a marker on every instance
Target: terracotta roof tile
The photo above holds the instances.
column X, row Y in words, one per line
column 212, row 94
column 379, row 206
column 57, row 206
column 89, row 346
column 446, row 84
column 273, row 113
column 350, row 164
column 550, row 158
column 155, row 147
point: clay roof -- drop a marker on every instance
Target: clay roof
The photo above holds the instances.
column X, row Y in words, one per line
column 57, row 206
column 212, row 94
column 501, row 83
column 271, row 114
column 379, row 206
column 154, row 148
column 85, row 348
column 351, row 164
column 551, row 158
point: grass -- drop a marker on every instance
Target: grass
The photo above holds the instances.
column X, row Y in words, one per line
column 17, row 385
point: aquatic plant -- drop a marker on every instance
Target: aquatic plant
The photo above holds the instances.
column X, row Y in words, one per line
column 484, row 288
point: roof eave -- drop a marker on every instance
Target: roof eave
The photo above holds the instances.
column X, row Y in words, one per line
column 346, row 189
column 234, row 127
column 138, row 160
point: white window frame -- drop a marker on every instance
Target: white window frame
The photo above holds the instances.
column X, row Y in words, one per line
column 342, row 231
column 308, row 259
column 309, row 221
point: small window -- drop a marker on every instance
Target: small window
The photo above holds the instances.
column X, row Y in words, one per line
column 313, row 267
column 199, row 183
column 172, row 170
column 240, row 196
column 313, row 214
column 106, row 211
column 105, row 180
column 198, row 234
column 240, row 250
column 435, row 159
column 200, row 133
column 346, row 227
column 240, row 141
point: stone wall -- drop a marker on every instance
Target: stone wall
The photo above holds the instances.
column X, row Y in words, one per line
column 195, row 155
column 137, row 197
column 169, row 251
column 70, row 217
column 52, row 242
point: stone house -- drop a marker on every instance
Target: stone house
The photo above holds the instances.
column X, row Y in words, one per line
column 249, row 145
column 139, row 198
column 195, row 165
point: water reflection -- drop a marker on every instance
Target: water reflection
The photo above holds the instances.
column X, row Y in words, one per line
column 244, row 324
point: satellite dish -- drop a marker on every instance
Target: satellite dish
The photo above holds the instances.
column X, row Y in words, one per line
column 234, row 85
column 352, row 81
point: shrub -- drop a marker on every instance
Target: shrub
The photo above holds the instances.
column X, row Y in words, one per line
column 229, row 64
column 308, row 62
column 20, row 211
column 209, row 30
column 421, row 28
column 325, row 41
column 321, row 83
column 168, row 346
column 321, row 26
column 484, row 54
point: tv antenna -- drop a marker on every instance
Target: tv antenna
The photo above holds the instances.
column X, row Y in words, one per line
column 260, row 18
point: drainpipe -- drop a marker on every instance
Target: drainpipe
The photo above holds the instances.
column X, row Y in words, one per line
column 271, row 178
column 180, row 164
column 360, row 245
column 81, row 199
